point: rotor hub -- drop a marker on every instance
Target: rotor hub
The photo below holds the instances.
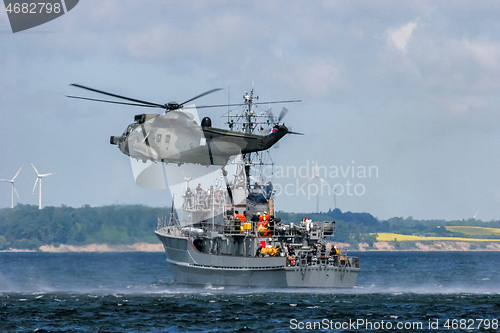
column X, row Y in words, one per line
column 172, row 106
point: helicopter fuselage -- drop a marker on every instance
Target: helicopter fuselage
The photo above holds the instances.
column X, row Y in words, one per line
column 175, row 137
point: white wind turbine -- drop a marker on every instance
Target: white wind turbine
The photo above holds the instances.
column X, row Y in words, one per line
column 39, row 177
column 321, row 180
column 335, row 195
column 13, row 187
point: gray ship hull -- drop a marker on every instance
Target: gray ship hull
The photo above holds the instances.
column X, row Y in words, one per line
column 189, row 266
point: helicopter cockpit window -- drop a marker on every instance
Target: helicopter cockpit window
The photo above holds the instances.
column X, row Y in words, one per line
column 129, row 128
column 158, row 137
column 167, row 138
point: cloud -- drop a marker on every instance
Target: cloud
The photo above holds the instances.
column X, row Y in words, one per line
column 316, row 77
column 486, row 53
column 464, row 104
column 320, row 77
column 401, row 36
column 153, row 43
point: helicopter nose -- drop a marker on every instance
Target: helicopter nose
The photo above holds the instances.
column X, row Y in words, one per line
column 114, row 140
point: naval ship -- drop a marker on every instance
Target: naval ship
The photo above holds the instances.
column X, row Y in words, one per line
column 226, row 232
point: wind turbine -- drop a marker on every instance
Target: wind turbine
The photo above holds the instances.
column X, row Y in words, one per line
column 13, row 187
column 321, row 180
column 335, row 196
column 39, row 177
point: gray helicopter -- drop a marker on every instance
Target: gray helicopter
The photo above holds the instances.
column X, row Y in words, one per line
column 176, row 137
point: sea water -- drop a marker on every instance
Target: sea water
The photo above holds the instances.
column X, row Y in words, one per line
column 133, row 292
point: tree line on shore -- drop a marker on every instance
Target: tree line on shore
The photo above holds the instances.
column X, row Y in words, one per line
column 27, row 227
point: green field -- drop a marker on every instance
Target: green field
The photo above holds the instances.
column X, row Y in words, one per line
column 389, row 237
column 474, row 231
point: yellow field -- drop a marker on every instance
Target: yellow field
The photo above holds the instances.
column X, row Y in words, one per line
column 389, row 237
column 474, row 231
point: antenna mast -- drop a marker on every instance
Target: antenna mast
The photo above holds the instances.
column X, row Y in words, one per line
column 249, row 127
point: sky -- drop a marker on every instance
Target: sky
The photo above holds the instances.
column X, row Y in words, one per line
column 405, row 94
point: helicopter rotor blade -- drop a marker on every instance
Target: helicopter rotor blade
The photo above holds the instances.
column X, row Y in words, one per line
column 118, row 96
column 241, row 104
column 212, row 106
column 114, row 102
column 200, row 95
column 292, row 101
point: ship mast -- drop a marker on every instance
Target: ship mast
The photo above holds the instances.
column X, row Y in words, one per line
column 249, row 122
column 249, row 127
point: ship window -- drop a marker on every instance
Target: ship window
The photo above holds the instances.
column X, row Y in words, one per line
column 167, row 138
column 158, row 137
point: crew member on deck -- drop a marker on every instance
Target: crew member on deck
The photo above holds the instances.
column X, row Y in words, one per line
column 334, row 253
column 269, row 190
column 257, row 253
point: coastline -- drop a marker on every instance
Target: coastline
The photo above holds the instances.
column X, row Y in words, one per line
column 377, row 246
column 93, row 248
column 416, row 246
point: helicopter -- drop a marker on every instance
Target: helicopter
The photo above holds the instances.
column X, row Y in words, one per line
column 176, row 137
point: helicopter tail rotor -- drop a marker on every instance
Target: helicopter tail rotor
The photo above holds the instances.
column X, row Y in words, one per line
column 283, row 113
